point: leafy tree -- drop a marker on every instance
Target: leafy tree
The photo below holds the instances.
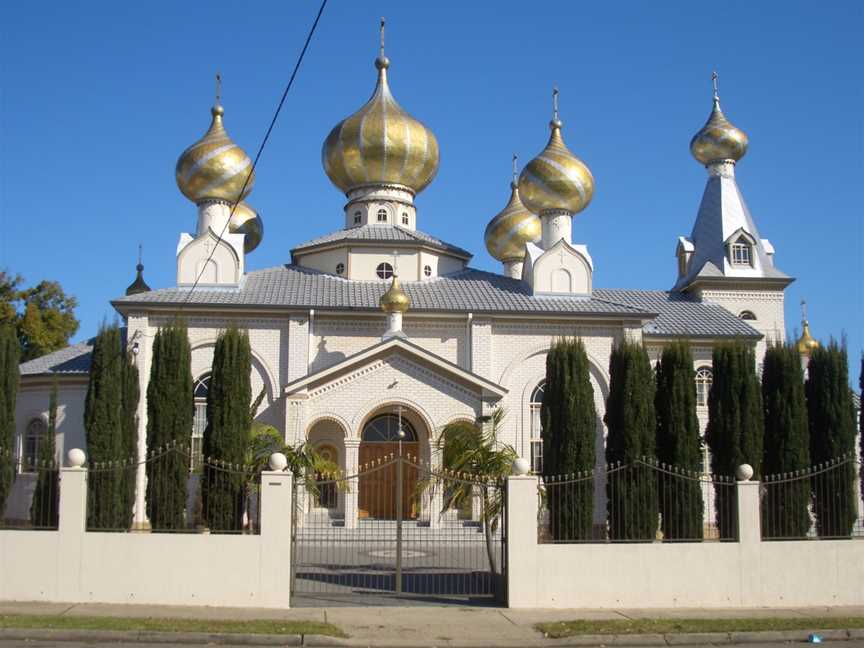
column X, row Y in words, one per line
column 43, row 315
column 631, row 500
column 46, row 498
column 678, row 443
column 785, row 506
column 9, row 354
column 474, row 448
column 228, row 424
column 569, row 427
column 831, row 419
column 170, row 409
column 735, row 423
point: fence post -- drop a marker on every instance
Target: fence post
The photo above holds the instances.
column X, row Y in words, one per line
column 275, row 520
column 521, row 542
column 749, row 534
column 71, row 525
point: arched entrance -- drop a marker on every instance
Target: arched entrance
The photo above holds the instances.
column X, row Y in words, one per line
column 380, row 443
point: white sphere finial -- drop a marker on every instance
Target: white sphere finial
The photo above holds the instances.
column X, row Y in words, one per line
column 521, row 467
column 278, row 462
column 744, row 472
column 76, row 458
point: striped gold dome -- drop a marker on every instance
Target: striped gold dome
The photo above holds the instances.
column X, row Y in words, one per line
column 214, row 167
column 513, row 227
column 380, row 144
column 718, row 140
column 806, row 343
column 246, row 220
column 556, row 179
column 395, row 300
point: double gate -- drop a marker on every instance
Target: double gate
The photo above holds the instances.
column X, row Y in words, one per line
column 398, row 529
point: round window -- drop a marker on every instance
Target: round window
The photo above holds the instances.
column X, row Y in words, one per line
column 340, row 268
column 384, row 270
column 427, row 270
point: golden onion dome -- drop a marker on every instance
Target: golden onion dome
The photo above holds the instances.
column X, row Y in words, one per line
column 718, row 140
column 246, row 220
column 214, row 167
column 556, row 179
column 380, row 144
column 395, row 300
column 513, row 227
column 806, row 343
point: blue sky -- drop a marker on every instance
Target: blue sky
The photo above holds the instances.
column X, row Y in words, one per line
column 98, row 100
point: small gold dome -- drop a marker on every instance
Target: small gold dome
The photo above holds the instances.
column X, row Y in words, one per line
column 718, row 140
column 380, row 144
column 806, row 343
column 395, row 300
column 556, row 179
column 247, row 221
column 214, row 167
column 513, row 227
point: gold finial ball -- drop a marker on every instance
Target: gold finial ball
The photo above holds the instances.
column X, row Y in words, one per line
column 380, row 144
column 214, row 167
column 395, row 300
column 513, row 227
column 247, row 221
column 718, row 140
column 556, row 179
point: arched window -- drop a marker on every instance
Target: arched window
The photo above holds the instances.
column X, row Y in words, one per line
column 199, row 420
column 34, row 436
column 357, row 217
column 537, row 428
column 385, row 429
column 404, row 218
column 704, row 378
column 384, row 270
column 747, row 315
column 741, row 252
column 382, row 215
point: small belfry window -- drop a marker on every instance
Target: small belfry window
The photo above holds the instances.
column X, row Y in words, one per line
column 427, row 270
column 340, row 268
column 747, row 315
column 741, row 252
column 404, row 218
column 34, row 435
column 357, row 216
column 382, row 215
column 704, row 378
column 384, row 270
column 199, row 420
column 537, row 428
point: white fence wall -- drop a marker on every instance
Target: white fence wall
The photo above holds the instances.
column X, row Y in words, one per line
column 72, row 565
column 747, row 573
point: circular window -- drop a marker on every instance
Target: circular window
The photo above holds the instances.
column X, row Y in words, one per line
column 427, row 270
column 340, row 268
column 384, row 270
column 382, row 215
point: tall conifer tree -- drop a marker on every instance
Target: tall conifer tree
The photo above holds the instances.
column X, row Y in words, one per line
column 45, row 505
column 831, row 418
column 569, row 428
column 735, row 423
column 228, row 423
column 9, row 357
column 631, row 502
column 678, row 443
column 785, row 506
column 169, row 425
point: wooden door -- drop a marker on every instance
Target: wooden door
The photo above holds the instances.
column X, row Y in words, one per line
column 377, row 489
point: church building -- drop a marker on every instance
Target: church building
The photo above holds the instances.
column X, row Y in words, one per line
column 378, row 323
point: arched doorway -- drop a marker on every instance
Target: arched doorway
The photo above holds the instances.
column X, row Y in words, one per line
column 380, row 442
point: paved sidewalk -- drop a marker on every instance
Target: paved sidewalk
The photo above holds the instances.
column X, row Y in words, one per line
column 421, row 626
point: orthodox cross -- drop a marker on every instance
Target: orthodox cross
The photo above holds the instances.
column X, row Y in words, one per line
column 382, row 36
column 803, row 310
column 218, row 89
column 555, row 104
column 515, row 159
column 395, row 263
column 715, row 82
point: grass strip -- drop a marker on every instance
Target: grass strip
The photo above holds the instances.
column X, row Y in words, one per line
column 563, row 629
column 253, row 626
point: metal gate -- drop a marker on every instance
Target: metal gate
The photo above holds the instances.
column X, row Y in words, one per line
column 398, row 530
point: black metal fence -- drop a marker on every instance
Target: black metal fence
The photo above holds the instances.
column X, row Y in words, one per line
column 642, row 501
column 823, row 502
column 33, row 500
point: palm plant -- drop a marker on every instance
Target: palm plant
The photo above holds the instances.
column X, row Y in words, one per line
column 473, row 448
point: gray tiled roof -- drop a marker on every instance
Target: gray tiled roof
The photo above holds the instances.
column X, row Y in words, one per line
column 466, row 291
column 74, row 359
column 383, row 233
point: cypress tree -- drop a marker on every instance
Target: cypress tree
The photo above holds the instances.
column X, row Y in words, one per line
column 170, row 409
column 9, row 355
column 631, row 502
column 106, row 449
column 831, row 419
column 569, row 427
column 678, row 443
column 45, row 504
column 735, row 424
column 228, row 423
column 785, row 506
